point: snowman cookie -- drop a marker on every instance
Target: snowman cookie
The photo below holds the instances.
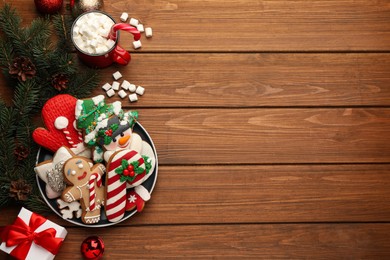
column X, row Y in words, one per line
column 85, row 186
column 115, row 134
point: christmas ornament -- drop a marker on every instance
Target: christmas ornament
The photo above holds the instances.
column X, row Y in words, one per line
column 48, row 6
column 81, row 6
column 20, row 190
column 22, row 68
column 92, row 248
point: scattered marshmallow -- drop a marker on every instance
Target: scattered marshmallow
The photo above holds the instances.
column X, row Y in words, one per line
column 124, row 17
column 117, row 75
column 148, row 32
column 106, row 86
column 115, row 85
column 110, row 92
column 134, row 22
column 140, row 27
column 122, row 93
column 132, row 87
column 125, row 85
column 137, row 44
column 140, row 90
column 133, row 97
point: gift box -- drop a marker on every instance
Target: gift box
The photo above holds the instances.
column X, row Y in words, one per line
column 32, row 236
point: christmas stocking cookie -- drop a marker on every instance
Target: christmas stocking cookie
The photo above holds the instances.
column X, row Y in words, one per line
column 136, row 198
column 86, row 187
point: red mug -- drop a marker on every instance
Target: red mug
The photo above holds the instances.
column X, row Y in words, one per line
column 115, row 54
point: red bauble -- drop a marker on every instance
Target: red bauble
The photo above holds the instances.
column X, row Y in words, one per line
column 48, row 6
column 92, row 248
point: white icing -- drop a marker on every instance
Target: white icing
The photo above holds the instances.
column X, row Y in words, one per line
column 89, row 137
column 96, row 100
column 142, row 192
column 61, row 122
column 117, row 106
column 79, row 108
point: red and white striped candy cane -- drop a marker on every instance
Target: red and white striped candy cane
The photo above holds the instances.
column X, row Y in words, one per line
column 123, row 27
column 61, row 123
column 92, row 193
column 115, row 204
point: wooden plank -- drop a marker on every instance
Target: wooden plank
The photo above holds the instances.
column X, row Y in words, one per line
column 266, row 80
column 252, row 26
column 258, row 136
column 355, row 241
column 262, row 194
column 251, row 80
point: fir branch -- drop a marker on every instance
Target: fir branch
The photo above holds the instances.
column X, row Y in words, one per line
column 10, row 24
column 6, row 56
column 4, row 194
column 36, row 204
column 25, row 99
column 83, row 85
column 62, row 26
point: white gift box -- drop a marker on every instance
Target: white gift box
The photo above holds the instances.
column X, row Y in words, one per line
column 36, row 251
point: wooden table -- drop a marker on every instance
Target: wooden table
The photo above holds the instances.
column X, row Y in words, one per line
column 271, row 121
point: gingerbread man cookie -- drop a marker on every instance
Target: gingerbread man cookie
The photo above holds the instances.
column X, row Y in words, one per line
column 86, row 186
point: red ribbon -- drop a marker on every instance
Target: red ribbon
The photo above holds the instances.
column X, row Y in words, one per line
column 22, row 235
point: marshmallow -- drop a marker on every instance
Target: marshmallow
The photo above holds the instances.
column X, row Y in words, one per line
column 106, row 87
column 137, row 44
column 140, row 27
column 148, row 32
column 140, row 90
column 90, row 31
column 125, row 85
column 115, row 85
column 117, row 75
column 132, row 87
column 133, row 97
column 110, row 92
column 122, row 93
column 124, row 17
column 134, row 22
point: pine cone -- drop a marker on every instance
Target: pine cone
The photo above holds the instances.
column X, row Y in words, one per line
column 19, row 190
column 59, row 81
column 22, row 68
column 21, row 152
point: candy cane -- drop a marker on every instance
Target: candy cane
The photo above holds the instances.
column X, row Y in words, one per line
column 92, row 193
column 123, row 27
column 61, row 123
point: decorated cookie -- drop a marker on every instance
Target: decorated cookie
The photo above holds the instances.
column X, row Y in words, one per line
column 93, row 114
column 136, row 198
column 117, row 135
column 124, row 167
column 58, row 115
column 51, row 172
column 69, row 210
column 85, row 186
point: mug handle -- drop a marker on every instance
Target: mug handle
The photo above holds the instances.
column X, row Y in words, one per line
column 121, row 56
